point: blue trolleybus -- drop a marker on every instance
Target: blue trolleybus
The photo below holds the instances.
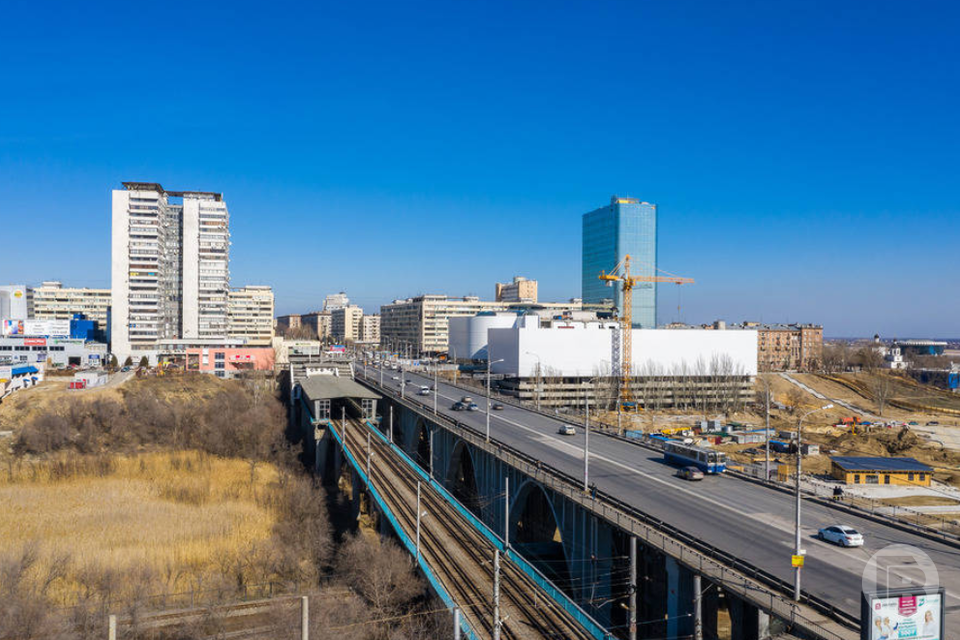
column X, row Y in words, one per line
column 707, row 460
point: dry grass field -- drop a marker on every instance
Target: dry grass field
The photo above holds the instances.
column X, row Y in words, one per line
column 179, row 518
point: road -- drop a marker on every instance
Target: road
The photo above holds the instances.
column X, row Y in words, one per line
column 751, row 521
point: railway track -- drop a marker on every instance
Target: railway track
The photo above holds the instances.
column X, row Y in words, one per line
column 460, row 556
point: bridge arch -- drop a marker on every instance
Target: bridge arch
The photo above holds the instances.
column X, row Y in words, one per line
column 462, row 477
column 536, row 533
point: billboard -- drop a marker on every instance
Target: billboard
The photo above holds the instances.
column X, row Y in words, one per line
column 12, row 328
column 902, row 613
column 46, row 327
column 35, row 342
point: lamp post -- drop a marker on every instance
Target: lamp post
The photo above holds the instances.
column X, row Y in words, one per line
column 797, row 551
column 490, row 363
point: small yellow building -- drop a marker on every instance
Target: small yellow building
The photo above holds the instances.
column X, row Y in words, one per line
column 880, row 471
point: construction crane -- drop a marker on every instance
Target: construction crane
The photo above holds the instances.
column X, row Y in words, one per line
column 623, row 348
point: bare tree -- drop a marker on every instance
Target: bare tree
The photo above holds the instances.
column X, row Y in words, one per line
column 795, row 399
column 380, row 572
column 881, row 386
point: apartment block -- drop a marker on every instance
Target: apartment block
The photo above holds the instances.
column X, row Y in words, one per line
column 170, row 267
column 335, row 301
column 250, row 315
column 420, row 325
column 520, row 290
column 370, row 329
column 793, row 347
column 53, row 301
column 347, row 323
column 320, row 323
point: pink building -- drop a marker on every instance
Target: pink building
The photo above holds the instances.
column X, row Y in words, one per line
column 227, row 361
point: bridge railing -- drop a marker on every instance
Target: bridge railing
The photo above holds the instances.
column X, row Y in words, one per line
column 748, row 581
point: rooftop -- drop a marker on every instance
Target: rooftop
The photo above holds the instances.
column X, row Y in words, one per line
column 328, row 387
column 868, row 463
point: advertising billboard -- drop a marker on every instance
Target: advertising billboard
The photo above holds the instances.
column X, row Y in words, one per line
column 12, row 328
column 46, row 327
column 903, row 613
column 35, row 342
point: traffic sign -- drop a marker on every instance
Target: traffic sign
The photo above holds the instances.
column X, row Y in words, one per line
column 796, row 561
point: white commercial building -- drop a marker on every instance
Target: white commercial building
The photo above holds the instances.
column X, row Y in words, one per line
column 170, row 267
column 250, row 315
column 566, row 361
column 16, row 302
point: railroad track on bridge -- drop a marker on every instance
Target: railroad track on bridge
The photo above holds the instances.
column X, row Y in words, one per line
column 460, row 556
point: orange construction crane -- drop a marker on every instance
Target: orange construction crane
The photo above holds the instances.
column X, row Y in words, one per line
column 621, row 274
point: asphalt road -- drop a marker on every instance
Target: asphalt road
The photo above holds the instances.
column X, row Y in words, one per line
column 753, row 522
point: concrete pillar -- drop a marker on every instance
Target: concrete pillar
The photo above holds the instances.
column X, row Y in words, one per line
column 356, row 489
column 709, row 603
column 746, row 621
column 673, row 597
column 679, row 599
column 337, row 461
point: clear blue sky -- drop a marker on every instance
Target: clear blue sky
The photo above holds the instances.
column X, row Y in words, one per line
column 805, row 156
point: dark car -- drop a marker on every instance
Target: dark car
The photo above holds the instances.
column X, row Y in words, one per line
column 497, row 406
column 458, row 406
column 690, row 473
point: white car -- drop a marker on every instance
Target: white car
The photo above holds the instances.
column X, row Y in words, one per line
column 396, row 377
column 567, row 430
column 842, row 535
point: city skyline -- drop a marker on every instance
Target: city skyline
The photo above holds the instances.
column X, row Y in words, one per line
column 493, row 149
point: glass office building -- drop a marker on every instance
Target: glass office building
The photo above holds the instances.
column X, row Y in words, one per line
column 625, row 226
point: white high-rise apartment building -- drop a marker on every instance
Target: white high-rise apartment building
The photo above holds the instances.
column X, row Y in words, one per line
column 170, row 267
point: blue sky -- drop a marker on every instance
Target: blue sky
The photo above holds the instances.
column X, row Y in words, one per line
column 804, row 155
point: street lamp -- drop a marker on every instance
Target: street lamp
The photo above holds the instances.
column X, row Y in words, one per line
column 490, row 363
column 796, row 575
column 539, row 381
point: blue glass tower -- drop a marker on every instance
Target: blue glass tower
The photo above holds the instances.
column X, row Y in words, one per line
column 626, row 226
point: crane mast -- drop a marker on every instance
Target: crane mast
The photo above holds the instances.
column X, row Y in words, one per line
column 623, row 347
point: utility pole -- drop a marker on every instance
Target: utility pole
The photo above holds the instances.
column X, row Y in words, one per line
column 343, row 424
column 488, row 392
column 506, row 513
column 391, row 423
column 368, row 456
column 456, row 623
column 403, row 382
column 304, row 618
column 431, row 454
column 496, row 594
column 586, row 447
column 112, row 627
column 436, row 386
column 797, row 549
column 418, row 522
column 697, row 608
column 766, row 467
column 633, row 587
